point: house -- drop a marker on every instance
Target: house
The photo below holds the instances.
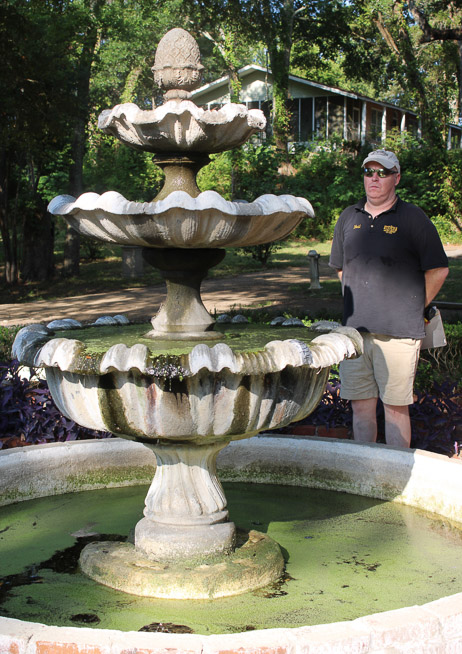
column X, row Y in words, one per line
column 319, row 110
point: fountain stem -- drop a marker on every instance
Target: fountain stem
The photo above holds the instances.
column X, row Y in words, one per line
column 185, row 513
column 180, row 173
column 183, row 315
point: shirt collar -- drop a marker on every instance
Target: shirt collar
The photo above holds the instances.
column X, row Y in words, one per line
column 359, row 206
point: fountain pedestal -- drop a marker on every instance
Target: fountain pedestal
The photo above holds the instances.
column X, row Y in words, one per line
column 183, row 315
column 185, row 534
column 254, row 564
column 185, row 512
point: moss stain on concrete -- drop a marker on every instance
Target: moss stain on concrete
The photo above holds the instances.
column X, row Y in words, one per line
column 108, row 477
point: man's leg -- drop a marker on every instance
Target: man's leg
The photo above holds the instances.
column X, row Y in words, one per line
column 397, row 425
column 365, row 420
column 395, row 365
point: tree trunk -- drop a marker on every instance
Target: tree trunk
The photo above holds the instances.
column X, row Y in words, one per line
column 38, row 244
column 279, row 43
column 459, row 81
column 412, row 77
column 71, row 262
column 7, row 223
column 72, row 244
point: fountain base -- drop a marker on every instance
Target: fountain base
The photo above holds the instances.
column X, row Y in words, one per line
column 165, row 543
column 257, row 563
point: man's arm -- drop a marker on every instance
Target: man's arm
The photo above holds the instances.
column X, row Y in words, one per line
column 339, row 274
column 434, row 280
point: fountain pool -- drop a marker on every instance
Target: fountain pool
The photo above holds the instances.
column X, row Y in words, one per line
column 417, row 479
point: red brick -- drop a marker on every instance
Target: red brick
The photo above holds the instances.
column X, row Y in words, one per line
column 303, row 430
column 333, row 432
column 47, row 647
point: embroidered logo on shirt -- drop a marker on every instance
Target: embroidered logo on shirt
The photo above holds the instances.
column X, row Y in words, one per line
column 390, row 229
column 357, row 227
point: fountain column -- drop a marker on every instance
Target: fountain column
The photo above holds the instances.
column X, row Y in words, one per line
column 185, row 512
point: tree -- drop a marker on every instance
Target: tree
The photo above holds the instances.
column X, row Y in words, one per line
column 275, row 23
column 398, row 46
column 34, row 91
column 51, row 96
column 444, row 25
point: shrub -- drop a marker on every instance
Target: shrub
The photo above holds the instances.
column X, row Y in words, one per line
column 328, row 175
column 436, row 416
column 29, row 416
column 7, row 336
column 261, row 253
column 444, row 363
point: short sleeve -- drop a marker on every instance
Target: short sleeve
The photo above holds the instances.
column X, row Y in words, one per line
column 431, row 251
column 336, row 253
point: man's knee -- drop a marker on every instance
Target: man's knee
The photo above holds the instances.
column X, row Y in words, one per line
column 366, row 407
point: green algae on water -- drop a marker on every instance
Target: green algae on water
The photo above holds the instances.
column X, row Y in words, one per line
column 240, row 338
column 346, row 556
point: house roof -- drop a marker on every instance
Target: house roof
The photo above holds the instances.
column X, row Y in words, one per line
column 252, row 68
column 335, row 90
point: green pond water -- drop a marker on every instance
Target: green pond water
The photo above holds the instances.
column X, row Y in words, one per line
column 347, row 556
column 245, row 338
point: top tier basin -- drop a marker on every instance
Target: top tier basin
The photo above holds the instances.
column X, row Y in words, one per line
column 182, row 126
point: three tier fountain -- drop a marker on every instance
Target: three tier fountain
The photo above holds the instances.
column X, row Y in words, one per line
column 183, row 386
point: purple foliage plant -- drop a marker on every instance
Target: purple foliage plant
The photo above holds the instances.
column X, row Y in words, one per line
column 28, row 414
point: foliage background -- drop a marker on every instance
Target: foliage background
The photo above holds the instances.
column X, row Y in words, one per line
column 93, row 54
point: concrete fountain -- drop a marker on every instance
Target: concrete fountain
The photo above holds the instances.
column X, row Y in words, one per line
column 192, row 393
column 166, row 387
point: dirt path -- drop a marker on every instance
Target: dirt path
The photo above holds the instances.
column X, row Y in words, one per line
column 281, row 289
column 285, row 288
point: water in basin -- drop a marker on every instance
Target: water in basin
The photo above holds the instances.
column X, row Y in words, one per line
column 346, row 556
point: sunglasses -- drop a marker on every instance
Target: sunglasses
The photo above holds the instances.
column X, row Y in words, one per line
column 381, row 172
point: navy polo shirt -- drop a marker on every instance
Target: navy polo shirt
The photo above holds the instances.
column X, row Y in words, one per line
column 384, row 260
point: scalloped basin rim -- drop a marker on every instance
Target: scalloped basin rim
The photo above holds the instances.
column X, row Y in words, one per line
column 217, row 117
column 116, row 203
column 248, row 350
column 239, row 338
column 98, row 349
column 182, row 127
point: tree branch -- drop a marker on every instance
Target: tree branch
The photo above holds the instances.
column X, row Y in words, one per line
column 430, row 33
column 299, row 10
column 386, row 34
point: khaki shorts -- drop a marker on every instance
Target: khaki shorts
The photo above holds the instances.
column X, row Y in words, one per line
column 386, row 369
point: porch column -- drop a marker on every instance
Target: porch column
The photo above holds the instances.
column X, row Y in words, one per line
column 299, row 119
column 363, row 122
column 403, row 122
column 345, row 129
column 313, row 118
column 384, row 126
column 327, row 118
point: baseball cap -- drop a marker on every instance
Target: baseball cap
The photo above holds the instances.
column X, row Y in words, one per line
column 387, row 158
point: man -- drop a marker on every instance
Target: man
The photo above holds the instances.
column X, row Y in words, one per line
column 391, row 263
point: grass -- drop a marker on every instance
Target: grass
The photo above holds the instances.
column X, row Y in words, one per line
column 105, row 275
